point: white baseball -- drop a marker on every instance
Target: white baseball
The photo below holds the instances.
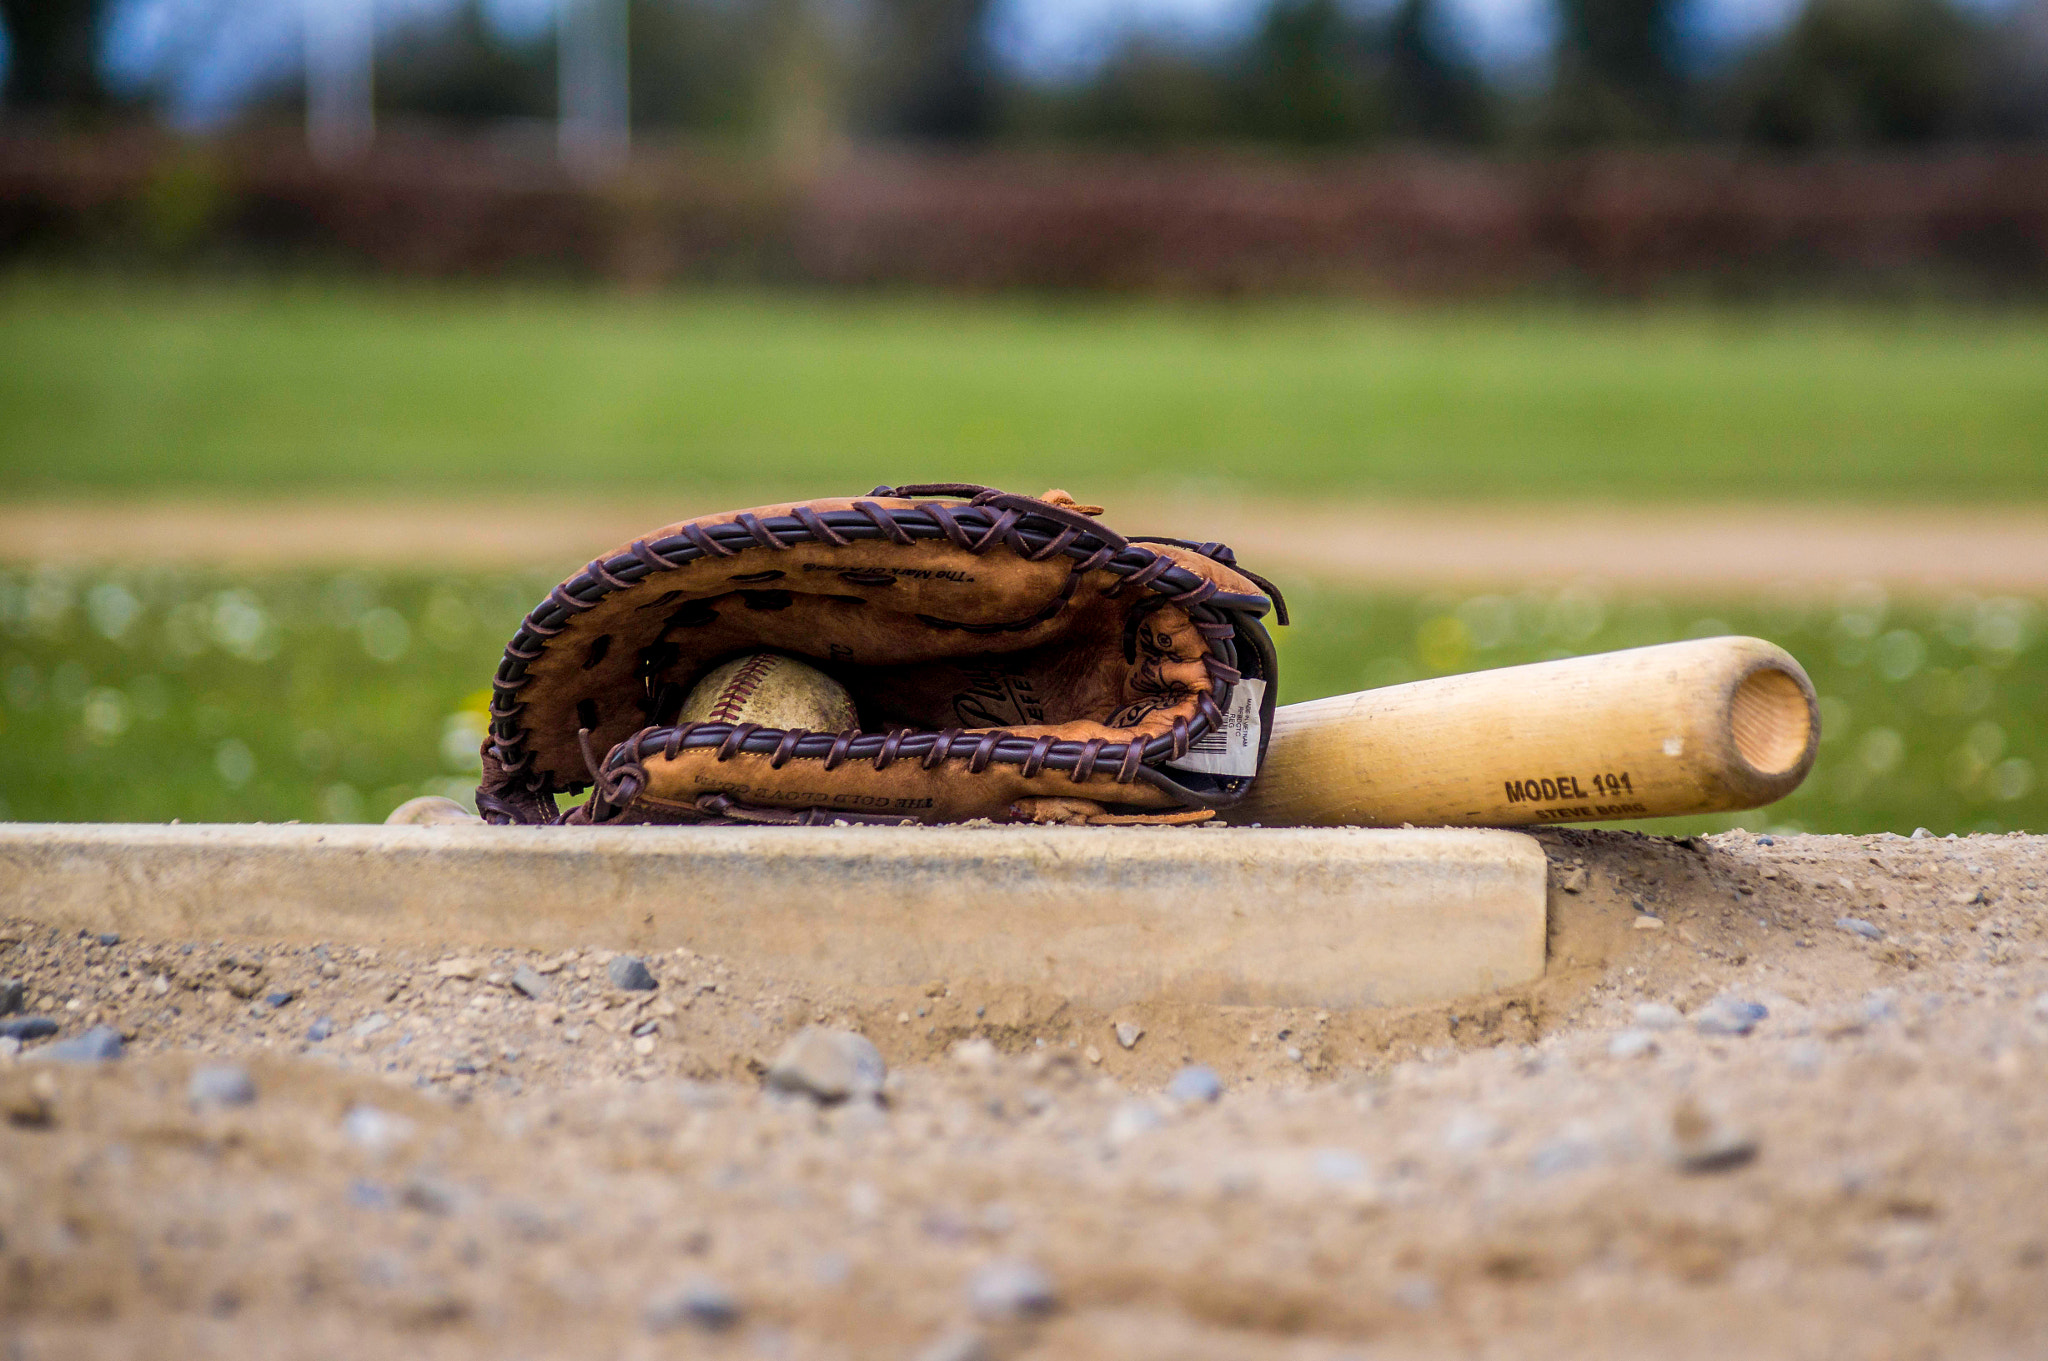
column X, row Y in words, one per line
column 774, row 691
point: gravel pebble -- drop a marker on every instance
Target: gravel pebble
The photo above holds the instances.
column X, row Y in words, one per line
column 13, row 995
column 1658, row 1016
column 1856, row 926
column 1702, row 1141
column 369, row 1025
column 277, row 1000
column 1128, row 1033
column 1131, row 1119
column 960, row 1346
column 1007, row 1289
column 376, row 1130
column 1193, row 1084
column 110, row 937
column 27, row 1027
column 320, row 1029
column 97, row 1045
column 526, row 981
column 828, row 1065
column 1730, row 1016
column 1632, row 1044
column 701, row 1303
column 629, row 974
column 220, row 1085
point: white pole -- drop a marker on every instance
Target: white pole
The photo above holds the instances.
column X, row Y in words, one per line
column 591, row 62
column 341, row 51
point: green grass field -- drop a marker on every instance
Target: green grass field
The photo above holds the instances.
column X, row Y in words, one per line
column 148, row 696
column 267, row 388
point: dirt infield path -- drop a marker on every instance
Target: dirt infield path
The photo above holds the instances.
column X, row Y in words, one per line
column 1776, row 1098
column 1383, row 544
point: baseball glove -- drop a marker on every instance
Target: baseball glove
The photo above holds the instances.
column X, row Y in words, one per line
column 1009, row 658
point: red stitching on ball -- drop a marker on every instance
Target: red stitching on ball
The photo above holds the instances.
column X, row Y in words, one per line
column 741, row 688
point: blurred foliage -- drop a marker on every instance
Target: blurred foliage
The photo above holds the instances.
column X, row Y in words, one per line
column 1314, row 73
column 52, row 56
column 1619, row 75
column 147, row 695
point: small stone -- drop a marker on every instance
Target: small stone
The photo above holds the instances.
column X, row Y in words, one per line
column 1469, row 1131
column 1702, row 1142
column 1128, row 1033
column 1646, row 923
column 1658, row 1016
column 1007, row 1290
column 1730, row 1016
column 1417, row 1293
column 1092, row 1054
column 277, row 1000
column 644, row 1046
column 976, row 1054
column 320, row 1029
column 27, row 1027
column 1573, row 880
column 1632, row 1044
column 699, row 1303
column 1132, row 1119
column 369, row 1025
column 629, row 974
column 1921, row 834
column 1856, row 926
column 828, row 1065
column 110, row 937
column 464, row 968
column 220, row 1085
column 1805, row 1057
column 13, row 995
column 529, row 983
column 430, row 1195
column 29, row 1105
column 97, row 1045
column 1293, row 1054
column 375, row 1130
column 959, row 1346
column 1194, row 1084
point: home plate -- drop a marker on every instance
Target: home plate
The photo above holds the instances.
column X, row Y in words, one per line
column 1324, row 917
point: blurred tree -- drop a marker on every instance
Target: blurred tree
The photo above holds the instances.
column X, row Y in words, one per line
column 697, row 65
column 1863, row 71
column 1308, row 77
column 1429, row 94
column 1618, row 73
column 53, row 55
column 1149, row 94
column 926, row 72
column 458, row 70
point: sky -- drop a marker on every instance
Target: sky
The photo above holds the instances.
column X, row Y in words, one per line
column 211, row 55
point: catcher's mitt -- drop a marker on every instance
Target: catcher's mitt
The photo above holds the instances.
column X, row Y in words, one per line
column 1010, row 658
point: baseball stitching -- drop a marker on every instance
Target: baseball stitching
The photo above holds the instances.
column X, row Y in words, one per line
column 741, row 688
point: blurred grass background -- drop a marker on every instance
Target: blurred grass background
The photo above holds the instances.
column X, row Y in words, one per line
column 123, row 386
column 159, row 694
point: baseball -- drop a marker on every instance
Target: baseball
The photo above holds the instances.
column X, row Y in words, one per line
column 774, row 691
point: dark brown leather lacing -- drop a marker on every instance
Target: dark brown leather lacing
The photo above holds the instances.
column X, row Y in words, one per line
column 1033, row 529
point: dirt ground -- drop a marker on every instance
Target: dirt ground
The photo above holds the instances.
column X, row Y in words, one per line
column 1599, row 1165
column 1392, row 545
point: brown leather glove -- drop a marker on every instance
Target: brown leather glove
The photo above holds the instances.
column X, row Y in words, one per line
column 1010, row 658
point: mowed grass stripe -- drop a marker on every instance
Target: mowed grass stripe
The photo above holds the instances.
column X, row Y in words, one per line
column 117, row 386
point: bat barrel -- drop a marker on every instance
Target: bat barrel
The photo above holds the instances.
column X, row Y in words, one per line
column 1712, row 725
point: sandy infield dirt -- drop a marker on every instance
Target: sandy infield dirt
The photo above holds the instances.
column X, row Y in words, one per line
column 1382, row 544
column 1776, row 1097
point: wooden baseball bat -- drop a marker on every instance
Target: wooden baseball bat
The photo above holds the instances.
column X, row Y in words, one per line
column 1701, row 727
